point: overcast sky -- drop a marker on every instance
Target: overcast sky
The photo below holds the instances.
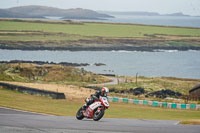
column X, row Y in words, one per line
column 191, row 7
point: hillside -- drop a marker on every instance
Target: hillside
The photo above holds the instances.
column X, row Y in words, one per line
column 47, row 73
column 43, row 11
column 9, row 14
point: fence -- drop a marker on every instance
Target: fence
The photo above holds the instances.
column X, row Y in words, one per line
column 33, row 91
column 155, row 103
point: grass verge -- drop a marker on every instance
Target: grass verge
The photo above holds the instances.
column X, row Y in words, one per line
column 13, row 99
column 146, row 112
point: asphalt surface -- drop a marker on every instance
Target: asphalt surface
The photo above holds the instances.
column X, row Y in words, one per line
column 113, row 81
column 14, row 121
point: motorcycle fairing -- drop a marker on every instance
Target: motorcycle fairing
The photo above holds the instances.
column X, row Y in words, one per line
column 95, row 105
column 104, row 101
column 89, row 111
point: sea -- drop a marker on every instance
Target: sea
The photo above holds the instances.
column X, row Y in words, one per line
column 163, row 63
column 180, row 21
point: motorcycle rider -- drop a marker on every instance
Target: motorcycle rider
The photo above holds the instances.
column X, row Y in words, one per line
column 102, row 92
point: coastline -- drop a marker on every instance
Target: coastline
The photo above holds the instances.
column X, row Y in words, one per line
column 117, row 48
column 50, row 63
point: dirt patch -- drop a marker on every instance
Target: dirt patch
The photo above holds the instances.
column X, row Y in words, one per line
column 190, row 122
column 71, row 92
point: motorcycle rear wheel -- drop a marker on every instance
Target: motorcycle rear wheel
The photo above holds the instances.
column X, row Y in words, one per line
column 79, row 114
column 98, row 115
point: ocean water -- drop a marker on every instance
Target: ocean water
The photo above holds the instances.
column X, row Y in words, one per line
column 181, row 21
column 171, row 63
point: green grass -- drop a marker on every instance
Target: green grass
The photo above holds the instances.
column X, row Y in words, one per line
column 40, row 38
column 145, row 112
column 176, row 43
column 27, row 102
column 40, row 104
column 100, row 29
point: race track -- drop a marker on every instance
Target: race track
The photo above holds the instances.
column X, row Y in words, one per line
column 14, row 121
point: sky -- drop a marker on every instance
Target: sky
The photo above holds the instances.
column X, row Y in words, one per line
column 189, row 7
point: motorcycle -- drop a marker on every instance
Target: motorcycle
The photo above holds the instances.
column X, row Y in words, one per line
column 94, row 111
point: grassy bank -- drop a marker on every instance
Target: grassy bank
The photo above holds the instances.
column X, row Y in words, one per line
column 36, row 34
column 21, row 101
column 48, row 73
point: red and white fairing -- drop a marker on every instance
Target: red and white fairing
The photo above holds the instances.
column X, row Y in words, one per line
column 103, row 103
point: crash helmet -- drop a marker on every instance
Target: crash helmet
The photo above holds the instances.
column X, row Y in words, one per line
column 104, row 91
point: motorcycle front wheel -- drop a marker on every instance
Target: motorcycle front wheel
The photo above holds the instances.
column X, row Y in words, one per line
column 98, row 115
column 79, row 114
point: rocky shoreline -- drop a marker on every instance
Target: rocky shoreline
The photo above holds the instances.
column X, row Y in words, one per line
column 126, row 48
column 51, row 63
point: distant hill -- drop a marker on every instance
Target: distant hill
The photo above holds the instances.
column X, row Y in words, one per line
column 84, row 14
column 140, row 13
column 134, row 13
column 43, row 11
column 9, row 14
column 176, row 14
